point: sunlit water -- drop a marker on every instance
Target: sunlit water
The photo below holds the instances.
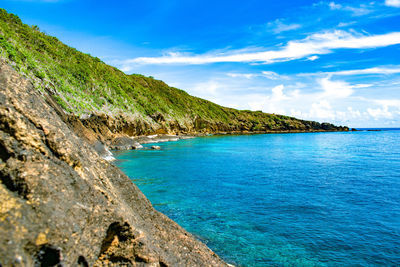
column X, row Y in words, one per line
column 314, row 199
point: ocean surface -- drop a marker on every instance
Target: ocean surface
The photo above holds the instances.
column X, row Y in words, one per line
column 305, row 199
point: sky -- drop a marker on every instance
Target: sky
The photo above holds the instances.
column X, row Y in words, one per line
column 329, row 61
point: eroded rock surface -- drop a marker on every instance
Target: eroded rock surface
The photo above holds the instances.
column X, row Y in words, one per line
column 62, row 204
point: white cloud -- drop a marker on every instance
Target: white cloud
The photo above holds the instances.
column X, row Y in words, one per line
column 322, row 110
column 334, row 6
column 357, row 11
column 335, row 89
column 277, row 26
column 316, row 44
column 271, row 75
column 242, row 75
column 389, row 102
column 362, row 85
column 208, row 90
column 354, row 114
column 392, row 3
column 312, row 58
column 258, row 104
column 379, row 113
column 388, row 109
column 345, row 24
column 321, row 99
column 269, row 103
column 277, row 92
column 375, row 70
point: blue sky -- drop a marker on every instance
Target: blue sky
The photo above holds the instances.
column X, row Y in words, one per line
column 336, row 61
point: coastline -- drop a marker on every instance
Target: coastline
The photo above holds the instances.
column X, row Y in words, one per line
column 136, row 142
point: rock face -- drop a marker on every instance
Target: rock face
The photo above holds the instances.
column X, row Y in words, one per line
column 61, row 204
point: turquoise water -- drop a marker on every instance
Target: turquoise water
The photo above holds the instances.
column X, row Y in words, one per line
column 314, row 199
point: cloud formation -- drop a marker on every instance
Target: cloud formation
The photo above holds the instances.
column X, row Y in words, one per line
column 315, row 44
column 374, row 70
column 335, row 89
column 278, row 26
column 356, row 11
column 392, row 3
column 271, row 75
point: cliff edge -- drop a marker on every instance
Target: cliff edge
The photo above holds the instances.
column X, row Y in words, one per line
column 62, row 204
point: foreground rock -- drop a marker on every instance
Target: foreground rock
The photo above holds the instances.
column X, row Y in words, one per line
column 60, row 203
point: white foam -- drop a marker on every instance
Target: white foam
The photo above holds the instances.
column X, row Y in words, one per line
column 108, row 155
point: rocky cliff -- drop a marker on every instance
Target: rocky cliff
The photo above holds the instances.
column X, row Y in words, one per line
column 62, row 204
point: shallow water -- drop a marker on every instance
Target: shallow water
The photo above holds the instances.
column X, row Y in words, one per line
column 312, row 199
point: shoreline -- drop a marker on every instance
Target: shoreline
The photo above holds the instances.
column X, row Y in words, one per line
column 136, row 142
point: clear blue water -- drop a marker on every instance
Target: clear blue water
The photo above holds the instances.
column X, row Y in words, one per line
column 313, row 199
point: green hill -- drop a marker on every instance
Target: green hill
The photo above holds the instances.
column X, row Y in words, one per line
column 83, row 84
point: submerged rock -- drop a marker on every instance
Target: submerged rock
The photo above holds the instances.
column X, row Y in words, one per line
column 62, row 204
column 155, row 147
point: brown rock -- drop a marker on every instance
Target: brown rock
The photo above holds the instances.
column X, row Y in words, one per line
column 60, row 203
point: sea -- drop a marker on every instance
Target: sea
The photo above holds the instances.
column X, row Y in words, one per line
column 297, row 199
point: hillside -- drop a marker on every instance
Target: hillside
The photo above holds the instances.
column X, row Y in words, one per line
column 84, row 85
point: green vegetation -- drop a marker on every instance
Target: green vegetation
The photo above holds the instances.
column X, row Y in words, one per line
column 84, row 84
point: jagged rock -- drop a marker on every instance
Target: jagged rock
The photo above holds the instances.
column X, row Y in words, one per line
column 62, row 204
column 155, row 147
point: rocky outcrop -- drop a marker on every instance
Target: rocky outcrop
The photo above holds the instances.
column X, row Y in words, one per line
column 62, row 204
